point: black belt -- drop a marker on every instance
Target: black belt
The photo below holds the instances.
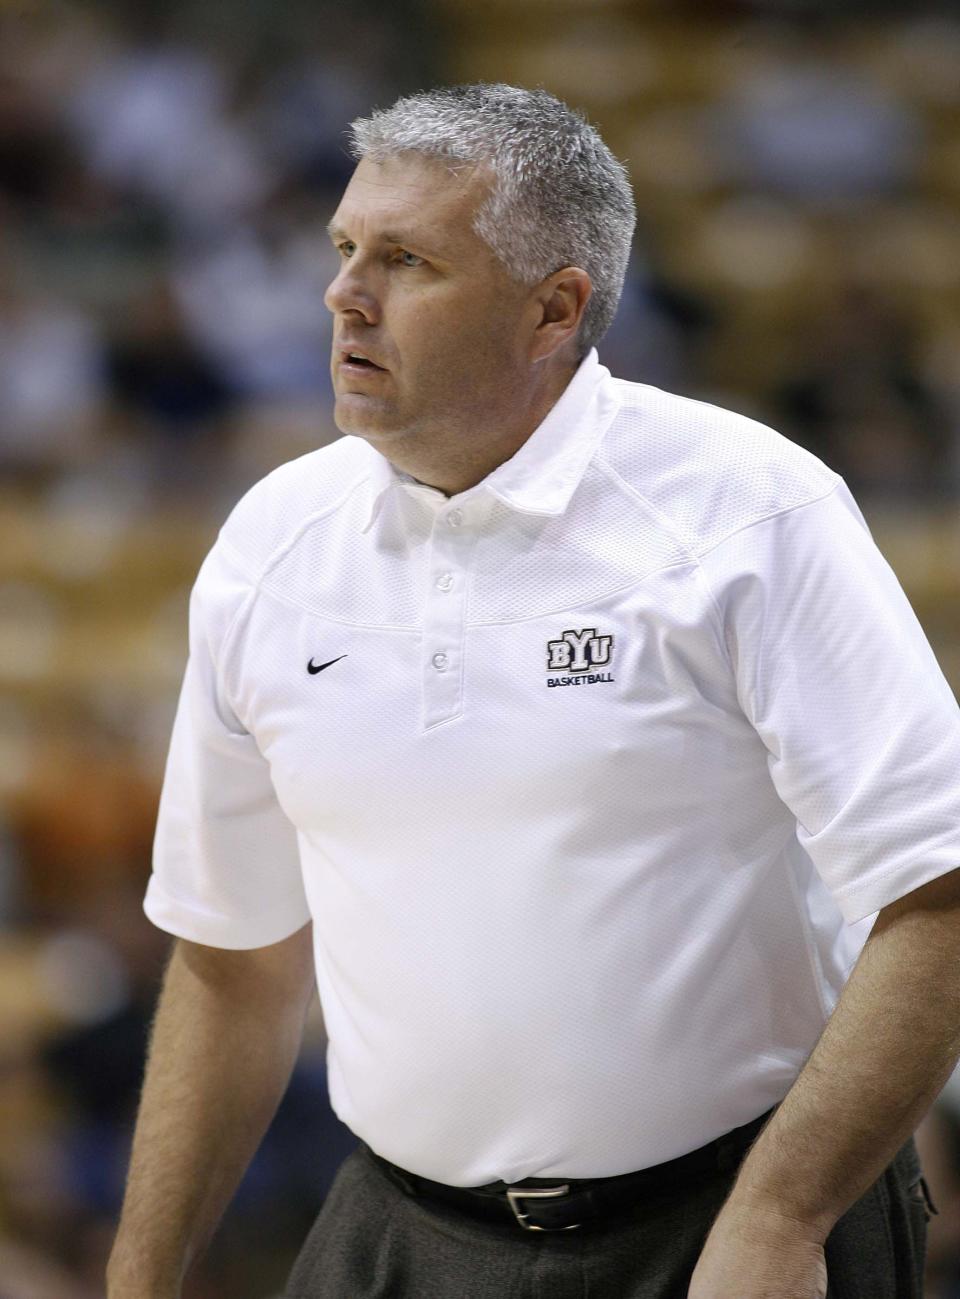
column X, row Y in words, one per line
column 561, row 1204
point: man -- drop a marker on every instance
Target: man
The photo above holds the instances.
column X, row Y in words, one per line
column 571, row 733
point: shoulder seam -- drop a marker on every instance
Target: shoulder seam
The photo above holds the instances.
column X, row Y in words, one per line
column 664, row 520
column 241, row 559
column 288, row 542
column 679, row 535
column 675, row 529
column 697, row 556
column 774, row 514
column 308, row 523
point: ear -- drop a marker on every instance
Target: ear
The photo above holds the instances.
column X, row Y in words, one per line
column 561, row 299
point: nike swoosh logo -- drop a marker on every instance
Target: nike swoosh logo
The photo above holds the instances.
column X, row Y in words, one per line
column 314, row 668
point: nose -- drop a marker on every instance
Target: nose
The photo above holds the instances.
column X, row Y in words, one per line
column 350, row 290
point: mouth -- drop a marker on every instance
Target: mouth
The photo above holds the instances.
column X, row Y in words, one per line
column 354, row 362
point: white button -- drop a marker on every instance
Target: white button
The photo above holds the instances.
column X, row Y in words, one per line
column 439, row 661
column 455, row 518
column 445, row 581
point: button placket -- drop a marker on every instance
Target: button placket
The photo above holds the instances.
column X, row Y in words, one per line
column 451, row 543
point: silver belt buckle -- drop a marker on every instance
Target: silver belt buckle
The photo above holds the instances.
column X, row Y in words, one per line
column 517, row 1193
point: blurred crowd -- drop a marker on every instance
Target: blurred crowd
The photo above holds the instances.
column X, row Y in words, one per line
column 165, row 181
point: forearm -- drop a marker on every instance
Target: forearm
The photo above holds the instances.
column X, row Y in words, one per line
column 223, row 1046
column 886, row 1052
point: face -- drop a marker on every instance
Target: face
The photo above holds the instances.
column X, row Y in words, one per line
column 438, row 326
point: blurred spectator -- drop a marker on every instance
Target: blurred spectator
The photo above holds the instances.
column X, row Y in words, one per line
column 859, row 401
column 156, row 372
column 801, row 121
column 307, row 102
column 32, row 147
column 84, row 822
column 253, row 301
column 172, row 393
column 153, row 120
column 51, row 378
column 659, row 330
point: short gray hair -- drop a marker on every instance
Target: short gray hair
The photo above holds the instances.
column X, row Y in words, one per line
column 559, row 196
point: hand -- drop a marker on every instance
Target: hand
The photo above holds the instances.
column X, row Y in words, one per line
column 759, row 1254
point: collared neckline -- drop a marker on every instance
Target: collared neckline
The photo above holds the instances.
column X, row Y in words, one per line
column 543, row 474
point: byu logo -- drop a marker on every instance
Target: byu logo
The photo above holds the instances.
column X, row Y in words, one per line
column 578, row 651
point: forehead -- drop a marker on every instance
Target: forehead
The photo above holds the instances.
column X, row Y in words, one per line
column 415, row 195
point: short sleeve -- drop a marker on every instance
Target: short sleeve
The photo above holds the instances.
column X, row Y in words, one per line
column 835, row 674
column 226, row 865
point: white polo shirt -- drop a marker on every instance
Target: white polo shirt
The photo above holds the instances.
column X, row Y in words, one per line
column 583, row 776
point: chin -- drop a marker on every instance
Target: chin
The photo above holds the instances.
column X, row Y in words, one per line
column 358, row 414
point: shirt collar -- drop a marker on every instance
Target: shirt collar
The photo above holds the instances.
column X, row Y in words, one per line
column 543, row 474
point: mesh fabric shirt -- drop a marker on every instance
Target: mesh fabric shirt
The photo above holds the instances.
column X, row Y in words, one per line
column 589, row 778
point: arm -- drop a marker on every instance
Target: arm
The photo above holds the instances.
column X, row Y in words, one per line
column 884, row 1055
column 224, row 1042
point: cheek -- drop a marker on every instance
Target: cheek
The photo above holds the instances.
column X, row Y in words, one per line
column 483, row 334
column 432, row 343
column 445, row 339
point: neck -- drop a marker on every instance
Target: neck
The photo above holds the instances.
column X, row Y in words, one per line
column 453, row 464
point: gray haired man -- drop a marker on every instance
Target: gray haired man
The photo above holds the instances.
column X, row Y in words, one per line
column 575, row 740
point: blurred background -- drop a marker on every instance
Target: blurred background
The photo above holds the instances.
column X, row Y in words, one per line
column 165, row 179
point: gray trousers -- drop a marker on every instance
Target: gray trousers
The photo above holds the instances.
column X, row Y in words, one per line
column 373, row 1241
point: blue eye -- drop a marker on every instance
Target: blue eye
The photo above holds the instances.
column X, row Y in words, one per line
column 410, row 259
